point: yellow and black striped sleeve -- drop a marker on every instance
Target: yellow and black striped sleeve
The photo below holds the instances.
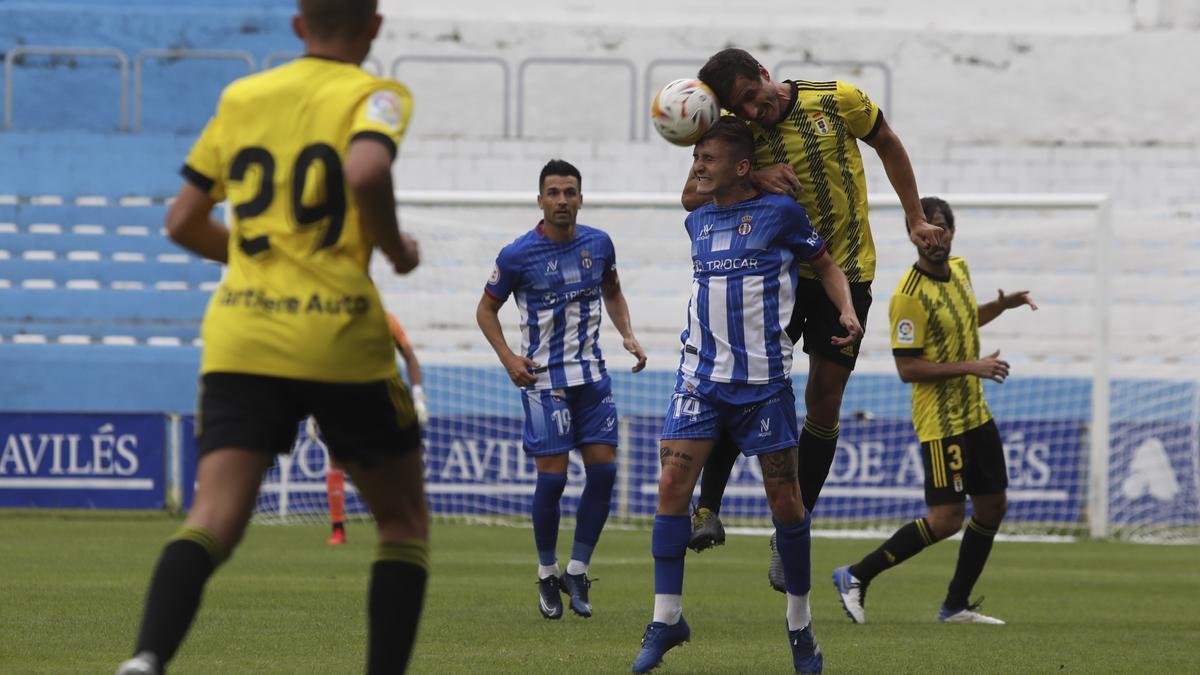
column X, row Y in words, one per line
column 862, row 116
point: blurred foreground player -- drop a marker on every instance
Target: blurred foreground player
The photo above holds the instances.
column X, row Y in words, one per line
column 303, row 152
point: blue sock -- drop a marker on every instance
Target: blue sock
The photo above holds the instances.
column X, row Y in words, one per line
column 594, row 505
column 545, row 515
column 795, row 549
column 668, row 543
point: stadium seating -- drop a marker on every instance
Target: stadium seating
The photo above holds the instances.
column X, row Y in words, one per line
column 97, row 273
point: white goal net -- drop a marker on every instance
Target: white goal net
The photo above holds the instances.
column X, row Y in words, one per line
column 1100, row 418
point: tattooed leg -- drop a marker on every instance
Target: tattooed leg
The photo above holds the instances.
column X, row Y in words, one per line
column 681, row 461
column 783, row 490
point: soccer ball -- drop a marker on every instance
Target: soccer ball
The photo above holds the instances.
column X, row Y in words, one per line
column 683, row 111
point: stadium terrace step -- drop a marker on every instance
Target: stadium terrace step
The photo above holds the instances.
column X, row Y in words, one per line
column 65, row 332
column 108, row 273
column 65, row 306
column 106, row 243
column 68, row 214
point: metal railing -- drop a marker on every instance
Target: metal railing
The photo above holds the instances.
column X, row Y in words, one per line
column 13, row 54
column 275, row 58
column 244, row 57
column 370, row 64
column 373, row 65
column 505, row 71
column 577, row 61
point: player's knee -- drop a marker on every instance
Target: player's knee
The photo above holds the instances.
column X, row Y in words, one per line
column 673, row 490
column 824, row 407
column 403, row 526
column 403, row 520
column 786, row 505
column 992, row 511
column 226, row 527
column 945, row 522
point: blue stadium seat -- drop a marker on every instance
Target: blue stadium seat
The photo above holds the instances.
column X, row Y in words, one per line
column 74, row 214
column 107, row 272
column 105, row 244
column 142, row 332
column 101, row 306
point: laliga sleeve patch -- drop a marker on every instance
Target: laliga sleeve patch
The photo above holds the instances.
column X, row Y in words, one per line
column 383, row 107
column 905, row 332
column 495, row 278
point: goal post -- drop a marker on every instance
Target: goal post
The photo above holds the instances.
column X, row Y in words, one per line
column 1065, row 446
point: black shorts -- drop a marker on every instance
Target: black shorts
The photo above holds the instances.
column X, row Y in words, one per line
column 361, row 422
column 815, row 317
column 971, row 463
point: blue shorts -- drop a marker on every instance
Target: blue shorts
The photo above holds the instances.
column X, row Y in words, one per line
column 757, row 427
column 558, row 420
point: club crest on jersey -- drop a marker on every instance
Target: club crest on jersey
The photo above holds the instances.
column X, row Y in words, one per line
column 906, row 332
column 820, row 123
column 745, row 228
column 587, row 261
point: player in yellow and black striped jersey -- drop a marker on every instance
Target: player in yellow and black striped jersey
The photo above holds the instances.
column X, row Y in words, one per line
column 807, row 136
column 303, row 153
column 935, row 320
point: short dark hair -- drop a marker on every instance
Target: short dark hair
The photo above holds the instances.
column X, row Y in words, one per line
column 735, row 134
column 723, row 69
column 932, row 205
column 558, row 167
column 332, row 19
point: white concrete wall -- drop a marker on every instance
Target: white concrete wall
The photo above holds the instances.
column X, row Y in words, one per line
column 1027, row 95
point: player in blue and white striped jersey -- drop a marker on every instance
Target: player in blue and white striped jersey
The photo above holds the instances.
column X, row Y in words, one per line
column 559, row 273
column 735, row 375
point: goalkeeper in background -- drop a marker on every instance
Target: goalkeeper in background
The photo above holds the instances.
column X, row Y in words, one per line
column 935, row 323
column 335, row 477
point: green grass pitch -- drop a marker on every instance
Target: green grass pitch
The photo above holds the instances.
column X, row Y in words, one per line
column 71, row 588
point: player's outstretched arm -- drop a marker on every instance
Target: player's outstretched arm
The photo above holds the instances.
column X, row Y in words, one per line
column 190, row 224
column 833, row 280
column 691, row 199
column 618, row 311
column 413, row 367
column 917, row 369
column 519, row 368
column 993, row 309
column 778, row 178
column 900, row 174
column 369, row 175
